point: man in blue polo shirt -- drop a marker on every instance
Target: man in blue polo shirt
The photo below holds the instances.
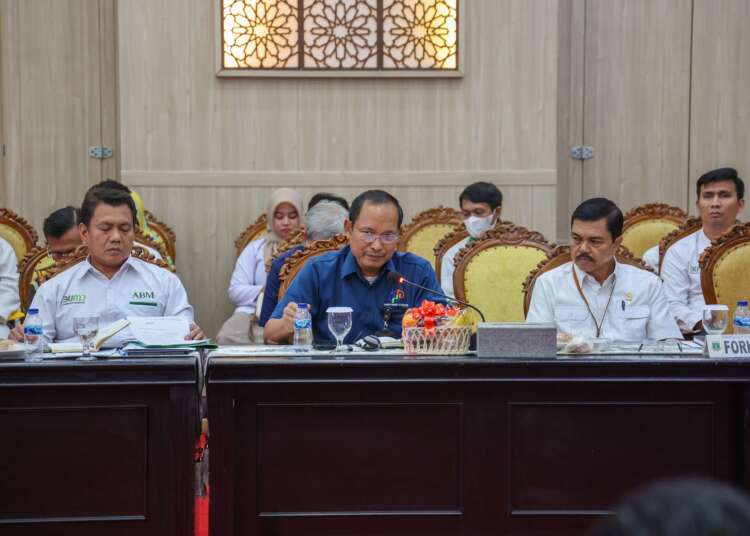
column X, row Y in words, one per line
column 356, row 276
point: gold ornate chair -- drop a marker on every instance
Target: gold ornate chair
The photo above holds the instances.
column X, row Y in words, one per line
column 82, row 252
column 424, row 231
column 164, row 232
column 490, row 271
column 691, row 225
column 253, row 231
column 34, row 263
column 296, row 261
column 144, row 240
column 647, row 224
column 725, row 277
column 297, row 238
column 17, row 232
column 561, row 255
column 458, row 233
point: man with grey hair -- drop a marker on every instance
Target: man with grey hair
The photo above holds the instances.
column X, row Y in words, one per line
column 322, row 221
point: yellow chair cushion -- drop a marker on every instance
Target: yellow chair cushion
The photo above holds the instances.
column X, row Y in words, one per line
column 15, row 239
column 424, row 240
column 731, row 278
column 493, row 280
column 42, row 264
column 646, row 234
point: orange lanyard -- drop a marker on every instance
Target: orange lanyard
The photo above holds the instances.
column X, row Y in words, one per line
column 583, row 296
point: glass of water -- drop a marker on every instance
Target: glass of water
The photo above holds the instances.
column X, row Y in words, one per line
column 715, row 319
column 86, row 327
column 339, row 324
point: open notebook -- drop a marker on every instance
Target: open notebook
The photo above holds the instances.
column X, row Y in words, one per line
column 103, row 336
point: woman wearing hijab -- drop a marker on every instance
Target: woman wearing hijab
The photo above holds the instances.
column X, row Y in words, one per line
column 283, row 216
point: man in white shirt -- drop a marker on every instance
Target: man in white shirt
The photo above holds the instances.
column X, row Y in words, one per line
column 481, row 204
column 594, row 295
column 9, row 301
column 720, row 200
column 109, row 283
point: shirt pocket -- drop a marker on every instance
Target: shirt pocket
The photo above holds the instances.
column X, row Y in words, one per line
column 571, row 319
column 635, row 319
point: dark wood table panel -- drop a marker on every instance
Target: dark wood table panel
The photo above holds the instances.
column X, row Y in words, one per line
column 466, row 446
column 101, row 447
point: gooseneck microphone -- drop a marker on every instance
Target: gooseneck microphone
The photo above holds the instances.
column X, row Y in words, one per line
column 397, row 278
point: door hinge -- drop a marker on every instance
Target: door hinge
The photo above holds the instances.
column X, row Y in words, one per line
column 582, row 152
column 100, row 151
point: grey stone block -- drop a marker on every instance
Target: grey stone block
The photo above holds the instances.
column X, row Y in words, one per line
column 516, row 339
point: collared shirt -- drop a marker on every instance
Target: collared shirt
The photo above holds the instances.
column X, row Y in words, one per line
column 137, row 289
column 447, row 268
column 638, row 309
column 273, row 284
column 682, row 279
column 248, row 277
column 334, row 279
column 9, row 301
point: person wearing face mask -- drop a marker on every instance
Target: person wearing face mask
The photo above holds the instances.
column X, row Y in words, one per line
column 721, row 197
column 284, row 216
column 481, row 204
column 594, row 296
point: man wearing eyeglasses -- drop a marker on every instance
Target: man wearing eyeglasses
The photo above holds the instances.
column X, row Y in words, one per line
column 356, row 276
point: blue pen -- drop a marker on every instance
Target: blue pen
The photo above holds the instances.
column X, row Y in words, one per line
column 622, row 304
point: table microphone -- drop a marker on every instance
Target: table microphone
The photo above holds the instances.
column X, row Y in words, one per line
column 397, row 278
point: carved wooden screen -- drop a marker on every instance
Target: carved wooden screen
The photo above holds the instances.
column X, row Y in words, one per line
column 335, row 37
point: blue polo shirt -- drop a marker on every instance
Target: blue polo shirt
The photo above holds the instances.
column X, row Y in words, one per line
column 334, row 279
column 273, row 284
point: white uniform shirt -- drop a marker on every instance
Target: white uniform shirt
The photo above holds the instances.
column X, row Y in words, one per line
column 638, row 309
column 137, row 289
column 447, row 269
column 9, row 301
column 248, row 278
column 651, row 257
column 682, row 279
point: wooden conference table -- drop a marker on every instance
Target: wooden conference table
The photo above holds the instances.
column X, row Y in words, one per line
column 98, row 448
column 404, row 446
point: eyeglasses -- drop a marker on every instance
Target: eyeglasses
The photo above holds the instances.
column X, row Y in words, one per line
column 385, row 238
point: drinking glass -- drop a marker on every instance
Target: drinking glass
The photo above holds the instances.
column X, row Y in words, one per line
column 715, row 319
column 339, row 324
column 86, row 327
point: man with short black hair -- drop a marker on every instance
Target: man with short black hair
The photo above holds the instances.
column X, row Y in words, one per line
column 721, row 197
column 325, row 196
column 109, row 283
column 356, row 276
column 596, row 296
column 61, row 232
column 481, row 205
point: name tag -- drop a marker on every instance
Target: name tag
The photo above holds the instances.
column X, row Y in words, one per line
column 728, row 345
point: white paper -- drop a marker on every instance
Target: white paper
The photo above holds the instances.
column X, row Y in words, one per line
column 159, row 330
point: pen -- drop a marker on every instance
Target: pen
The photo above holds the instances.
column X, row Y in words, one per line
column 622, row 304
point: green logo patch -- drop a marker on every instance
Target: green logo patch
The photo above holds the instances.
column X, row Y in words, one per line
column 70, row 299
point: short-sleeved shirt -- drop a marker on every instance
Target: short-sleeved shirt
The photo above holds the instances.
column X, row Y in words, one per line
column 248, row 277
column 137, row 289
column 273, row 284
column 334, row 279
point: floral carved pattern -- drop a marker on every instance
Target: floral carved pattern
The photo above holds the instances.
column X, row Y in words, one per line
column 420, row 34
column 339, row 34
column 260, row 33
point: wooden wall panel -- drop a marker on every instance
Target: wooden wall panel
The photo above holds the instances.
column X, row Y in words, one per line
column 720, row 112
column 202, row 150
column 52, row 72
column 636, row 100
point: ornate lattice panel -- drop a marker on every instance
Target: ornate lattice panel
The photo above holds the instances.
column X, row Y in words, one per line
column 331, row 36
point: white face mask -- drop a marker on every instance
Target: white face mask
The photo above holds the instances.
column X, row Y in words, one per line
column 477, row 225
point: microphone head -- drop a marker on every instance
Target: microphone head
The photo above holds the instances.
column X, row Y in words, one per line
column 395, row 277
